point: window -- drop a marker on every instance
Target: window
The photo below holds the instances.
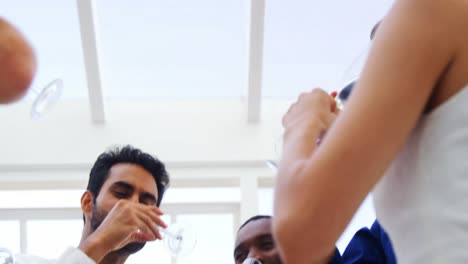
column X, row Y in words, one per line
column 215, row 242
column 10, row 235
column 51, row 224
column 49, row 238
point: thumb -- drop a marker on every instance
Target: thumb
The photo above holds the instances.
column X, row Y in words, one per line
column 141, row 235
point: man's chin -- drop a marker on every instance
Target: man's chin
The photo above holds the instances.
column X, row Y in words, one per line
column 131, row 248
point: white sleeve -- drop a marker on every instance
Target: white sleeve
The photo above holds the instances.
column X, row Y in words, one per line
column 74, row 256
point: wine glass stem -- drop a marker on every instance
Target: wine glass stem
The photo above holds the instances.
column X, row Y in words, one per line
column 169, row 234
column 35, row 91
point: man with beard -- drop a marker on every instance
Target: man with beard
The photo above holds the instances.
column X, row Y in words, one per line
column 120, row 209
column 120, row 205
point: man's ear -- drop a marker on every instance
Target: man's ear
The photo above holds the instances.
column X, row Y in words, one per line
column 87, row 204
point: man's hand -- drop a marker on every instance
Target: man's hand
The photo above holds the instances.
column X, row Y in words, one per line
column 127, row 222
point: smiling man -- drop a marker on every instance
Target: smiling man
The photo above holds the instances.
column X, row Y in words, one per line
column 255, row 240
column 255, row 245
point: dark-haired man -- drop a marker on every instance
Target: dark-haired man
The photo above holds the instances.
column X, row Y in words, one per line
column 120, row 208
column 255, row 245
column 120, row 205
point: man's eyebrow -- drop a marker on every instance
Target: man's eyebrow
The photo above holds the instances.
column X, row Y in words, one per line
column 123, row 184
column 264, row 237
column 257, row 238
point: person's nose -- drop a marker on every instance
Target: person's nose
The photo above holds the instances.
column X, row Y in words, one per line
column 256, row 254
column 251, row 261
column 134, row 198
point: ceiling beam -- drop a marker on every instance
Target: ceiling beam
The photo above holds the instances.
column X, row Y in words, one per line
column 87, row 17
column 254, row 97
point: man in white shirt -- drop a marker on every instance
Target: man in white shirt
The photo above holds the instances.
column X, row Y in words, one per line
column 120, row 208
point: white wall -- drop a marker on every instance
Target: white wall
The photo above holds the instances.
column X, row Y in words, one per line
column 175, row 132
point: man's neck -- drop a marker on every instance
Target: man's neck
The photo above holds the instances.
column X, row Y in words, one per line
column 114, row 258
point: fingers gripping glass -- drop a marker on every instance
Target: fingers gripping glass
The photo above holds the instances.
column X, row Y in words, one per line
column 340, row 99
column 348, row 79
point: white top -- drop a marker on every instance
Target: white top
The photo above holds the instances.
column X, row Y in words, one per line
column 70, row 256
column 422, row 201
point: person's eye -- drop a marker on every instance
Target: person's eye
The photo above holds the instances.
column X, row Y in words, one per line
column 240, row 257
column 148, row 202
column 120, row 195
column 267, row 245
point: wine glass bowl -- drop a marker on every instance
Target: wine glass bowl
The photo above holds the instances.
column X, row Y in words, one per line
column 179, row 239
column 251, row 261
column 344, row 94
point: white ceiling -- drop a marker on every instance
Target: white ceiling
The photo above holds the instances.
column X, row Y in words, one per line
column 174, row 74
column 197, row 49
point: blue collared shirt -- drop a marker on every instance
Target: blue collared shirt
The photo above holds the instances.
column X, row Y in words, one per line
column 367, row 246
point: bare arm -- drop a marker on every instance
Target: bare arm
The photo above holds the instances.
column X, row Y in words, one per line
column 317, row 194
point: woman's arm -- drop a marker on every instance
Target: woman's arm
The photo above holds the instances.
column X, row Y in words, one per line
column 317, row 195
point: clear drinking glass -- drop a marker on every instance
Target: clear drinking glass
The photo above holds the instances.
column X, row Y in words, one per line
column 251, row 261
column 179, row 239
column 46, row 98
column 348, row 80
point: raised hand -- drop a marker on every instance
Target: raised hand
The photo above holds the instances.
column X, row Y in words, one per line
column 306, row 122
column 126, row 223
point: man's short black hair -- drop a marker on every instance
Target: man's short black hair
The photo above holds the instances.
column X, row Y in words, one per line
column 254, row 218
column 127, row 154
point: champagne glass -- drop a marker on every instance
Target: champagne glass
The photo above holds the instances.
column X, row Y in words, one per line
column 179, row 239
column 46, row 98
column 340, row 99
column 344, row 94
column 6, row 257
column 349, row 79
column 350, row 76
column 251, row 261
